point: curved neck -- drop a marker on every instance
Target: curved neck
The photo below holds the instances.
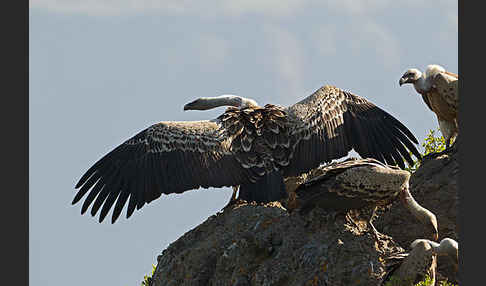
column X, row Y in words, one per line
column 213, row 102
column 205, row 103
column 421, row 85
column 419, row 212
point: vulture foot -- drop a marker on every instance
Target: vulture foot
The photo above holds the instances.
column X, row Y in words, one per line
column 232, row 200
column 378, row 235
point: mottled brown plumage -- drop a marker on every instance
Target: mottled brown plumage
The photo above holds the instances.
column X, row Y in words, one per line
column 352, row 184
column 440, row 92
column 408, row 269
column 354, row 187
column 360, row 185
column 251, row 146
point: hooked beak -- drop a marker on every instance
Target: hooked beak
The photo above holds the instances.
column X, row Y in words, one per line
column 403, row 80
column 191, row 105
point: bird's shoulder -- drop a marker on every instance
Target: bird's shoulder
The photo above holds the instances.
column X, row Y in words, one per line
column 447, row 87
column 325, row 102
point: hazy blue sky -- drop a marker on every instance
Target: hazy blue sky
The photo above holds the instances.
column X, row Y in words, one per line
column 100, row 71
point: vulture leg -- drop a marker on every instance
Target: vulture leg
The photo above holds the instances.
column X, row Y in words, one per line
column 448, row 142
column 233, row 199
column 376, row 233
column 347, row 216
column 448, row 131
column 369, row 214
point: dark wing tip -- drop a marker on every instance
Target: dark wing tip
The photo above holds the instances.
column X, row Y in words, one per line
column 402, row 139
column 77, row 197
column 140, row 170
column 403, row 128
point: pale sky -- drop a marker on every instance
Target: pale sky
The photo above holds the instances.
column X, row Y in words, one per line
column 100, row 71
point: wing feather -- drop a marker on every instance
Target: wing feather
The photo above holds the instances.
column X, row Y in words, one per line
column 399, row 151
column 92, row 195
column 110, row 187
column 340, row 121
column 86, row 187
column 132, row 204
column 389, row 154
column 380, row 146
column 398, row 133
column 447, row 84
column 108, row 203
column 120, row 203
column 168, row 157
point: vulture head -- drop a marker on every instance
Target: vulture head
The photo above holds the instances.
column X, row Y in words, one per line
column 410, row 76
column 205, row 103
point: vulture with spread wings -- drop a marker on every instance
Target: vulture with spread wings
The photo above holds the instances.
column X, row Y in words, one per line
column 248, row 146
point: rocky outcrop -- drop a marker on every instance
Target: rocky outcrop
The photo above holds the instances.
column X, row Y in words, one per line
column 265, row 245
column 435, row 186
column 250, row 244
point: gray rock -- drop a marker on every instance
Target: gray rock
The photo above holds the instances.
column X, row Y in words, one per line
column 435, row 186
column 250, row 244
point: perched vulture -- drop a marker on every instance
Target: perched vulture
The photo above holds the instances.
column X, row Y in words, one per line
column 351, row 184
column 447, row 247
column 248, row 146
column 440, row 91
column 408, row 269
column 361, row 185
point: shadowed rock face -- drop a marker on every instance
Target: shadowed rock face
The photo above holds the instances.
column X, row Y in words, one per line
column 265, row 245
column 435, row 186
column 251, row 244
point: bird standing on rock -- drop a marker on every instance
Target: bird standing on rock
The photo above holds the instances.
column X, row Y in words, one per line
column 447, row 247
column 440, row 91
column 248, row 145
column 358, row 184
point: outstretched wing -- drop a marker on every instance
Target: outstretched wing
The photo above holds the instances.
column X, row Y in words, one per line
column 331, row 122
column 168, row 157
